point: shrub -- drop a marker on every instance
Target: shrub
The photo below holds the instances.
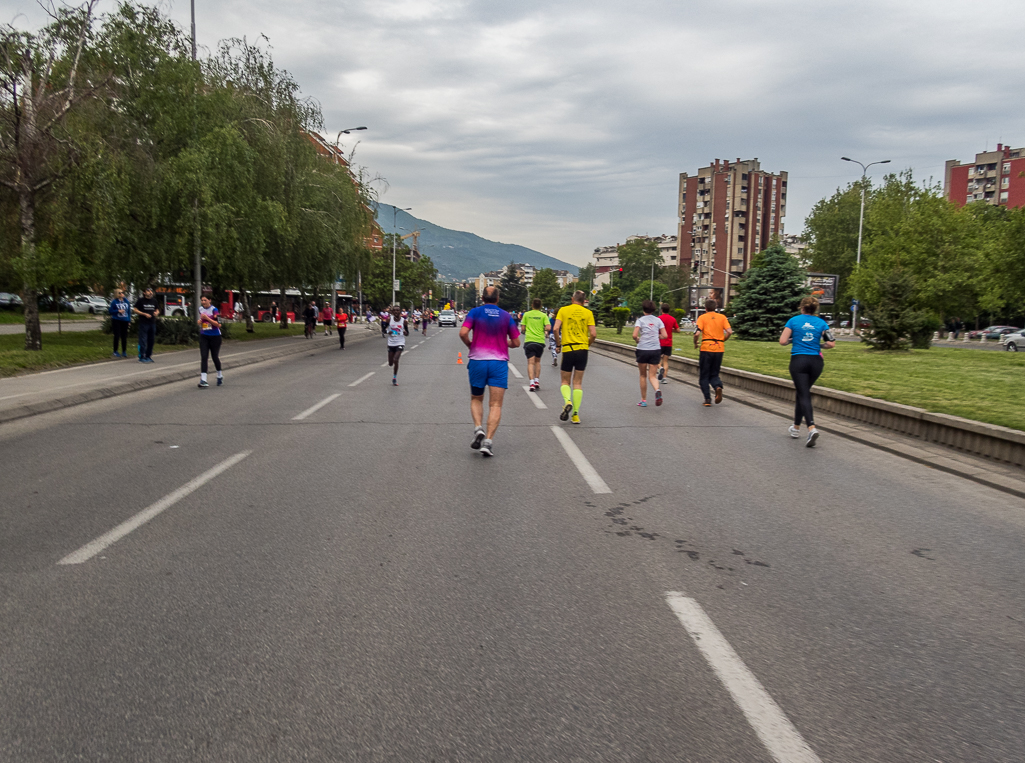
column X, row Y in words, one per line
column 619, row 316
column 180, row 330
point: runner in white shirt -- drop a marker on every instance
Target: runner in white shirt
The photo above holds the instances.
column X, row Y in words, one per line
column 397, row 329
column 648, row 330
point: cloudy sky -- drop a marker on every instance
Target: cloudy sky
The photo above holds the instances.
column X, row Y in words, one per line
column 563, row 125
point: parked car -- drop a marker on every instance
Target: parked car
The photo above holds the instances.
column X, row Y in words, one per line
column 992, row 332
column 1014, row 341
column 89, row 303
column 447, row 318
column 10, row 301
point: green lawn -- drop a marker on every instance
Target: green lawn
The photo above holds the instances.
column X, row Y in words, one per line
column 982, row 385
column 75, row 347
column 14, row 316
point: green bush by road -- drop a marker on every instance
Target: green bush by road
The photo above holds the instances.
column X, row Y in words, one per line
column 975, row 384
column 73, row 348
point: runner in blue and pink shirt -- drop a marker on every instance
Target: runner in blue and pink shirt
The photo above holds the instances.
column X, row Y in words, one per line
column 489, row 332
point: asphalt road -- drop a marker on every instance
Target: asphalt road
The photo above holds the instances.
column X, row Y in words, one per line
column 361, row 586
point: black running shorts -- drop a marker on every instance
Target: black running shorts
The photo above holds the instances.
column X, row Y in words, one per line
column 651, row 357
column 533, row 350
column 575, row 360
column 666, row 350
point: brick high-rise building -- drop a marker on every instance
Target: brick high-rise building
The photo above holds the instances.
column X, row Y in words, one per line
column 995, row 177
column 728, row 212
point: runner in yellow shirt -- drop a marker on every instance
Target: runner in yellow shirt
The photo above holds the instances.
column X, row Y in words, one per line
column 576, row 330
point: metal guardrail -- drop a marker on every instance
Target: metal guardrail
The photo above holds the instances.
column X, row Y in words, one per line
column 989, row 440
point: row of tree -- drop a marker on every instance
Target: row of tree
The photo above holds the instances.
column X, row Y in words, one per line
column 119, row 155
column 946, row 261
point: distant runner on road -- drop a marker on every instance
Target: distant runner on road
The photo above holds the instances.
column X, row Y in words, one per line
column 535, row 328
column 666, row 343
column 209, row 340
column 648, row 332
column 489, row 332
column 807, row 332
column 397, row 329
column 575, row 328
column 713, row 329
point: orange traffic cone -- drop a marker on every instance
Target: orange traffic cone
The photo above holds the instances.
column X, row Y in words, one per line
column 459, row 362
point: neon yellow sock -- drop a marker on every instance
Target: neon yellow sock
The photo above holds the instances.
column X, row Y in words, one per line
column 578, row 395
column 565, row 392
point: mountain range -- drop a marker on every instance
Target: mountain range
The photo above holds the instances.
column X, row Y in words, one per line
column 461, row 255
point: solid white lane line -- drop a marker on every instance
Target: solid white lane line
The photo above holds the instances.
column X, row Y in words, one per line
column 410, row 349
column 580, row 461
column 315, row 408
column 516, row 371
column 774, row 729
column 535, row 397
column 363, row 378
column 383, row 365
column 91, row 549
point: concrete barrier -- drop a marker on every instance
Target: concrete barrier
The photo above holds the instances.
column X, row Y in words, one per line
column 989, row 440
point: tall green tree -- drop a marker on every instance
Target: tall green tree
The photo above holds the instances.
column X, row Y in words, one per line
column 546, row 287
column 768, row 295
column 513, row 295
column 831, row 232
column 638, row 259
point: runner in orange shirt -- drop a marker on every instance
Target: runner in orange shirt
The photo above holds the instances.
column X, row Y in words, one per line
column 712, row 332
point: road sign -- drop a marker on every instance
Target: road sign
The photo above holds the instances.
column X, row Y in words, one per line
column 397, row 284
column 594, row 291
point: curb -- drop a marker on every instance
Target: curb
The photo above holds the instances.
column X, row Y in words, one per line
column 979, row 474
column 157, row 380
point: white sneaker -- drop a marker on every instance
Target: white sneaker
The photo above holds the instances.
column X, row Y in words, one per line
column 486, row 449
column 813, row 435
column 478, row 438
column 794, row 432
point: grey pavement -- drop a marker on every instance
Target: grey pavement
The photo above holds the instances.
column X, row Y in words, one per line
column 364, row 587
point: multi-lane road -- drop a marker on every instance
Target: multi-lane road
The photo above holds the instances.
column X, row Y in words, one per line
column 310, row 564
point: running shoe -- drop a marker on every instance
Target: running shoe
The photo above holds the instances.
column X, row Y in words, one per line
column 643, row 404
column 576, row 418
column 555, row 362
column 813, row 435
column 707, row 403
column 718, row 395
column 394, row 382
column 658, row 397
column 661, row 373
column 478, row 438
column 202, row 385
column 117, row 355
column 795, row 432
column 486, row 449
column 220, row 381
column 565, row 411
column 537, row 384
column 533, row 387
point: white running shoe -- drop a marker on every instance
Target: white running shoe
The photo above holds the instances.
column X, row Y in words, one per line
column 813, row 435
column 478, row 438
column 486, row 449
column 794, row 432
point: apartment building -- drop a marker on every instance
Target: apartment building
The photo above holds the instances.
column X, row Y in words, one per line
column 996, row 177
column 564, row 278
column 729, row 211
column 491, row 278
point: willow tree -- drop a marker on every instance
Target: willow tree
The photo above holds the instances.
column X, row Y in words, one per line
column 40, row 85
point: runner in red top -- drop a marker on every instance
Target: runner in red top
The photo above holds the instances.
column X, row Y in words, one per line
column 666, row 345
column 342, row 320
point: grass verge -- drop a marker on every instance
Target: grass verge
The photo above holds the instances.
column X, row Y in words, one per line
column 13, row 316
column 974, row 384
column 74, row 348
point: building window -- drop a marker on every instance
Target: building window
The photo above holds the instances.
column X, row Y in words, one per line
column 1003, row 196
column 1007, row 168
column 969, row 200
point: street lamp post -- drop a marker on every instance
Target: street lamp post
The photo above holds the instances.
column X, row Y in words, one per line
column 394, row 236
column 861, row 223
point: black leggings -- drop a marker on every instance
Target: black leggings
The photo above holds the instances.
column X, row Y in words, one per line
column 805, row 371
column 120, row 329
column 209, row 345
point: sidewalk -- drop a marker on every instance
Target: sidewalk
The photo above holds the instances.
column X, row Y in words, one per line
column 1004, row 477
column 32, row 394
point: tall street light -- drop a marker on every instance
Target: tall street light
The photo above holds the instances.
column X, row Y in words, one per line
column 394, row 236
column 197, row 256
column 861, row 223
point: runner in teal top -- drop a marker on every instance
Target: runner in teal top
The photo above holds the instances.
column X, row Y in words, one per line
column 535, row 329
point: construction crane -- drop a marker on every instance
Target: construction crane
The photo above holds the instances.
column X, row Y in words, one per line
column 415, row 251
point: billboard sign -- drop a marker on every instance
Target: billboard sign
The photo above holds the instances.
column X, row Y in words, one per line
column 823, row 287
column 698, row 295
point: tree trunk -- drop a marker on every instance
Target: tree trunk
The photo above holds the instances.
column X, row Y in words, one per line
column 244, row 298
column 27, row 208
column 283, row 309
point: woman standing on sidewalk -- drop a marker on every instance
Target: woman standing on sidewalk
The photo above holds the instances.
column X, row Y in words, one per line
column 209, row 341
column 807, row 331
column 120, row 319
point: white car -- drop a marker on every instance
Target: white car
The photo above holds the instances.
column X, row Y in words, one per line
column 447, row 318
column 89, row 303
column 1014, row 342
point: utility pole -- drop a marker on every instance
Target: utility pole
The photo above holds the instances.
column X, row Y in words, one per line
column 861, row 223
column 394, row 238
column 197, row 257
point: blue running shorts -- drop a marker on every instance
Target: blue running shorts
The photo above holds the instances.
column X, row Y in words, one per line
column 487, row 373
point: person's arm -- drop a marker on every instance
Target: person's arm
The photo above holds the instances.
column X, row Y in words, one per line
column 464, row 335
column 829, row 343
column 727, row 333
column 784, row 338
column 558, row 331
column 636, row 334
column 661, row 333
column 592, row 334
column 405, row 327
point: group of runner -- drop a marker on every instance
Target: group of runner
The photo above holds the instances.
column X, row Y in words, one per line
column 490, row 332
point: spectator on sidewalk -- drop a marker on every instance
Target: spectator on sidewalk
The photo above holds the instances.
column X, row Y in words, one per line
column 148, row 310
column 120, row 319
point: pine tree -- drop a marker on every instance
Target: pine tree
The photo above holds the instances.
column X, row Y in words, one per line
column 768, row 295
column 513, row 294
